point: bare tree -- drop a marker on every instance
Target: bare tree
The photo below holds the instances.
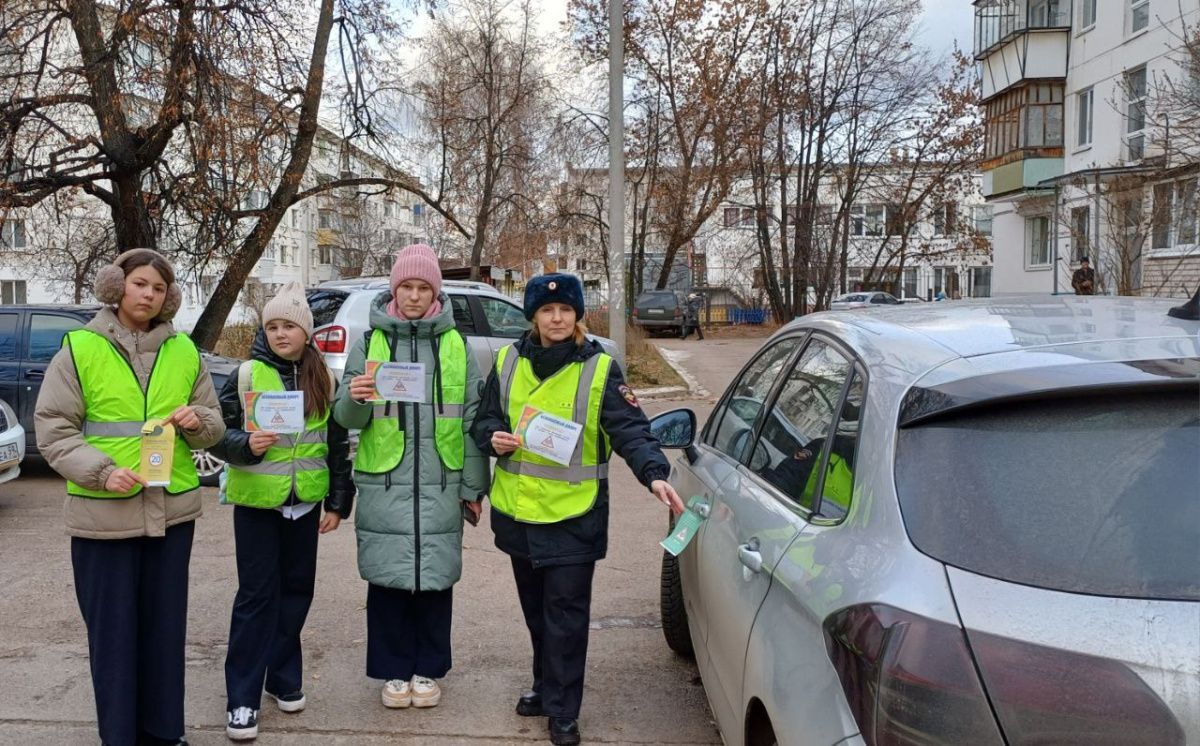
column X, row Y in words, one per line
column 75, row 243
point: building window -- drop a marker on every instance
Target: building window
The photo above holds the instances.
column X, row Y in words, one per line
column 324, row 254
column 295, row 217
column 945, row 216
column 12, row 292
column 1081, row 221
column 1084, row 114
column 326, row 219
column 699, row 269
column 580, row 265
column 283, row 253
column 1087, row 13
column 1139, row 15
column 388, row 208
column 981, row 282
column 1029, row 117
column 1037, row 242
column 1173, row 223
column 983, row 219
column 256, row 200
column 1048, row 13
column 867, row 220
column 1135, row 113
column 910, row 282
column 12, row 233
column 730, row 217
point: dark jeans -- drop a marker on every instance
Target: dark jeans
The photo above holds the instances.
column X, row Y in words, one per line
column 557, row 604
column 408, row 634
column 277, row 569
column 133, row 596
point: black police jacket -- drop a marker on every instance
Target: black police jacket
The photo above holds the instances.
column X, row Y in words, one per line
column 583, row 538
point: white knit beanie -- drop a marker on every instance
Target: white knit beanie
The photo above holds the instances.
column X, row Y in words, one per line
column 290, row 304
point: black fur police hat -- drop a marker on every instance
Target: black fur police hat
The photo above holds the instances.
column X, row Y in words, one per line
column 554, row 288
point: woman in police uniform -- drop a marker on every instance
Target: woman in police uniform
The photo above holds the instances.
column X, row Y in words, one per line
column 130, row 543
column 552, row 519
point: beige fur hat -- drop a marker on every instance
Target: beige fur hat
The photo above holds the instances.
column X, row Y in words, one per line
column 290, row 304
column 109, row 287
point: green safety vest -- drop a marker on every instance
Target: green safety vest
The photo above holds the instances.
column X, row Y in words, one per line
column 381, row 445
column 116, row 407
column 839, row 481
column 533, row 489
column 297, row 462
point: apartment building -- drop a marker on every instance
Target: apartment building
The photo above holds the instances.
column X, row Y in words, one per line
column 1080, row 158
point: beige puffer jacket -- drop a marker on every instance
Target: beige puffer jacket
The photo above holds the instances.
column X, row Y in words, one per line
column 59, row 422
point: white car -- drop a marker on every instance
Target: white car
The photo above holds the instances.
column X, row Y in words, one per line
column 12, row 443
column 864, row 299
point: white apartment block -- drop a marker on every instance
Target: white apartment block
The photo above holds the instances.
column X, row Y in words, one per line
column 1076, row 162
column 321, row 238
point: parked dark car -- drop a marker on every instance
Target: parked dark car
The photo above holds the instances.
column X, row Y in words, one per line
column 656, row 310
column 29, row 337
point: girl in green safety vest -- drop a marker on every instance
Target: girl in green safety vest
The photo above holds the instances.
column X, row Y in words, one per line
column 131, row 542
column 550, row 492
column 276, row 482
column 417, row 472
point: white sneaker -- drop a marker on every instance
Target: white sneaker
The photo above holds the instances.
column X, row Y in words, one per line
column 425, row 692
column 396, row 694
column 241, row 724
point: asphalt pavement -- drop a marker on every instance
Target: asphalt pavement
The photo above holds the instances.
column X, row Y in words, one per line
column 637, row 691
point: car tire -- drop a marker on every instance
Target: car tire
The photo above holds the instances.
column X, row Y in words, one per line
column 671, row 609
column 209, row 468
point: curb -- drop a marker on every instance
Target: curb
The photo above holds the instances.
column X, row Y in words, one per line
column 663, row 392
column 694, row 389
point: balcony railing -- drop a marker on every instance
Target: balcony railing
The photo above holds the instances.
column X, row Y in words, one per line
column 996, row 21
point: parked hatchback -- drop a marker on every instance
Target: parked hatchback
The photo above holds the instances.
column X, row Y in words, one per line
column 660, row 310
column 30, row 335
column 979, row 525
column 863, row 300
column 487, row 319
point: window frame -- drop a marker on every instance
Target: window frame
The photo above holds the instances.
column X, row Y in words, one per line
column 9, row 232
column 1029, row 263
column 26, row 353
column 1168, row 222
column 1135, row 98
column 15, row 285
column 1088, row 94
column 1081, row 232
column 1084, row 23
column 857, row 368
column 1134, row 6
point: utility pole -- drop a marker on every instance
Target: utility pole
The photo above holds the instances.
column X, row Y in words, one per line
column 616, row 174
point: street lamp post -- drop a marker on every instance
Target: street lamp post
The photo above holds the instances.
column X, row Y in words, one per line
column 616, row 174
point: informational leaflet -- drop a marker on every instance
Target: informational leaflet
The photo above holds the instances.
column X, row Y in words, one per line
column 158, row 451
column 397, row 381
column 548, row 436
column 686, row 526
column 274, row 411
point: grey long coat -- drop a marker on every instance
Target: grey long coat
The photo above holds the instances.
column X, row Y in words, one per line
column 409, row 524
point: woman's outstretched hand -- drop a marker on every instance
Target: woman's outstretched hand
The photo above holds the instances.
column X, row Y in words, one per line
column 504, row 443
column 667, row 495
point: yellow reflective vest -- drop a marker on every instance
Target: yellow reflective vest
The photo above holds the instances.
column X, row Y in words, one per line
column 296, row 462
column 381, row 444
column 533, row 489
column 116, row 407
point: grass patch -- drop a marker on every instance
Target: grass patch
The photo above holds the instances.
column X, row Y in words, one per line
column 644, row 364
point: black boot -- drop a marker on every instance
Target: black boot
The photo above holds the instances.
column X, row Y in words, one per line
column 564, row 731
column 530, row 705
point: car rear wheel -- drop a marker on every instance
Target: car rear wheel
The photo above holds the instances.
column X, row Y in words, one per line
column 208, row 467
column 671, row 609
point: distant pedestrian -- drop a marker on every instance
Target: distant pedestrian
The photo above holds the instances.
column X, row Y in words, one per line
column 131, row 543
column 691, row 318
column 1084, row 279
column 276, row 483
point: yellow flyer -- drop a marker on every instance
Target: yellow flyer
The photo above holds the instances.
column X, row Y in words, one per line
column 158, row 451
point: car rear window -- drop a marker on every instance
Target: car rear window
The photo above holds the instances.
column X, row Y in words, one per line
column 665, row 297
column 853, row 298
column 325, row 305
column 1087, row 495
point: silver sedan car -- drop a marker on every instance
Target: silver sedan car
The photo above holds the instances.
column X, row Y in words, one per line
column 975, row 523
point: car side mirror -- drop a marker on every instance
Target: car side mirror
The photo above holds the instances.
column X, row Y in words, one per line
column 676, row 429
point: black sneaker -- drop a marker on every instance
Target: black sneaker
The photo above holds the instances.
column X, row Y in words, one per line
column 564, row 731
column 241, row 724
column 530, row 705
column 293, row 702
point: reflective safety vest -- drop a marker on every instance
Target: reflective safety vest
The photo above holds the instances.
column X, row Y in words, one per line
column 839, row 481
column 533, row 489
column 296, row 462
column 381, row 444
column 116, row 407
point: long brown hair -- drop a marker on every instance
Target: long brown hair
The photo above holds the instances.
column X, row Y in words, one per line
column 315, row 382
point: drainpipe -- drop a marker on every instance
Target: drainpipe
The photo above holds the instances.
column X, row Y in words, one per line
column 1095, row 247
column 1054, row 263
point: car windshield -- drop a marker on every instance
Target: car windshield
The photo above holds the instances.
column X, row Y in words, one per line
column 851, row 299
column 1087, row 495
column 325, row 305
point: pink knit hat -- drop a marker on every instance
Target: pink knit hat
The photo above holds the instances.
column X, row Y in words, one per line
column 416, row 262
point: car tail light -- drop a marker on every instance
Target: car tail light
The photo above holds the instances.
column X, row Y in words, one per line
column 908, row 679
column 634, row 312
column 1045, row 695
column 331, row 339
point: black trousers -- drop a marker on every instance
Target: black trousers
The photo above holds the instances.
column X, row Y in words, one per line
column 133, row 594
column 556, row 602
column 277, row 569
column 408, row 634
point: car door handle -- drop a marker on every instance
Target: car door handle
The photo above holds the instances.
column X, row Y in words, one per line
column 749, row 555
column 35, row 375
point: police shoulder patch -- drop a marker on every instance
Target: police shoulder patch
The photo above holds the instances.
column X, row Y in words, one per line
column 628, row 394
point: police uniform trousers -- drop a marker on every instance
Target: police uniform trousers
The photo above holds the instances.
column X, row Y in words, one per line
column 408, row 633
column 556, row 602
column 277, row 572
column 133, row 595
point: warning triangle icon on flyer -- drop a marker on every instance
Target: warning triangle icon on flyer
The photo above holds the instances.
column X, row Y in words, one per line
column 278, row 419
column 548, row 442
